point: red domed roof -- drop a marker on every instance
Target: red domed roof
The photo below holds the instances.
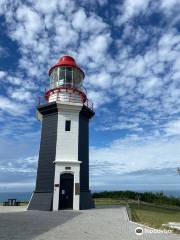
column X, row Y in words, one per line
column 66, row 61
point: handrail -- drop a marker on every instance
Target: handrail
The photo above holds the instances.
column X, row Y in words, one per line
column 65, row 88
column 68, row 98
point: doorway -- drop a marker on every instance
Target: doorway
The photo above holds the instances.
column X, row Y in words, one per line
column 66, row 191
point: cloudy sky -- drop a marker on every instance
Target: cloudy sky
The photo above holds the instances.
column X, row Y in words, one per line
column 130, row 52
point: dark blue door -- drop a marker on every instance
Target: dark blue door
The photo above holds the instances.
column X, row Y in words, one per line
column 66, row 191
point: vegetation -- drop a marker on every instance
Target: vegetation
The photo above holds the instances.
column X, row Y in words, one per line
column 22, row 203
column 151, row 209
column 158, row 198
column 154, row 216
column 109, row 201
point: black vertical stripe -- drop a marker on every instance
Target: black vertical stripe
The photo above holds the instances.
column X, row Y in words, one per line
column 43, row 196
column 83, row 147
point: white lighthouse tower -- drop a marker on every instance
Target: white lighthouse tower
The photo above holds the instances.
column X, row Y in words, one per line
column 63, row 166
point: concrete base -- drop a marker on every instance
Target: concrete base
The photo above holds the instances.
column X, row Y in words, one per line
column 86, row 200
column 41, row 201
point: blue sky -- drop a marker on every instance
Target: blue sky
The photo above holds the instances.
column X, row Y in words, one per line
column 129, row 51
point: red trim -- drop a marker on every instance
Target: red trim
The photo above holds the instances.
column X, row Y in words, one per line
column 82, row 94
column 67, row 61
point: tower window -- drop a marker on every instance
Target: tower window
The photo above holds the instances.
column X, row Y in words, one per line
column 67, row 125
column 68, row 75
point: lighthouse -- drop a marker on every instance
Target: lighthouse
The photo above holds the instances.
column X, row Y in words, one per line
column 62, row 180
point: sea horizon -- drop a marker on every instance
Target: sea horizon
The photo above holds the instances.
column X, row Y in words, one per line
column 25, row 196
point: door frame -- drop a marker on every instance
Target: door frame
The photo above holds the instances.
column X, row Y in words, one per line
column 70, row 175
column 60, row 168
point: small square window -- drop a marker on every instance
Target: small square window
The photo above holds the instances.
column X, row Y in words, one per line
column 68, row 125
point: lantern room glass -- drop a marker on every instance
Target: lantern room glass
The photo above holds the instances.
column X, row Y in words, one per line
column 66, row 76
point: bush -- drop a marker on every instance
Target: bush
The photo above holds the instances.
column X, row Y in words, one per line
column 150, row 197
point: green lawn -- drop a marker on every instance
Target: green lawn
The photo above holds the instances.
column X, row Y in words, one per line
column 154, row 216
column 109, row 201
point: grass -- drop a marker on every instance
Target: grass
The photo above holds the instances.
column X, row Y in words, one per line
column 109, row 201
column 154, row 216
column 21, row 204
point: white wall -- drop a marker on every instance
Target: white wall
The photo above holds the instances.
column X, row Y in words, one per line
column 67, row 149
column 60, row 169
column 67, row 141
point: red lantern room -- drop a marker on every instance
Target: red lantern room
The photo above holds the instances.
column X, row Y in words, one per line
column 66, row 82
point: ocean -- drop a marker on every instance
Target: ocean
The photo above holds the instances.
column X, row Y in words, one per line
column 25, row 196
column 170, row 193
column 20, row 196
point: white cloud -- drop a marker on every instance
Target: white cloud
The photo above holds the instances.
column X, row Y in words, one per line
column 141, row 163
column 65, row 35
column 12, row 107
column 131, row 8
column 173, row 127
column 99, row 98
column 46, row 7
column 121, row 126
column 79, row 18
column 134, row 154
column 88, row 24
column 27, row 24
column 2, row 3
column 30, row 19
column 102, row 80
column 25, row 165
column 2, row 74
column 95, row 49
column 166, row 4
column 151, row 86
column 20, row 94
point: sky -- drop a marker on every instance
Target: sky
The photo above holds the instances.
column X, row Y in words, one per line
column 129, row 51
